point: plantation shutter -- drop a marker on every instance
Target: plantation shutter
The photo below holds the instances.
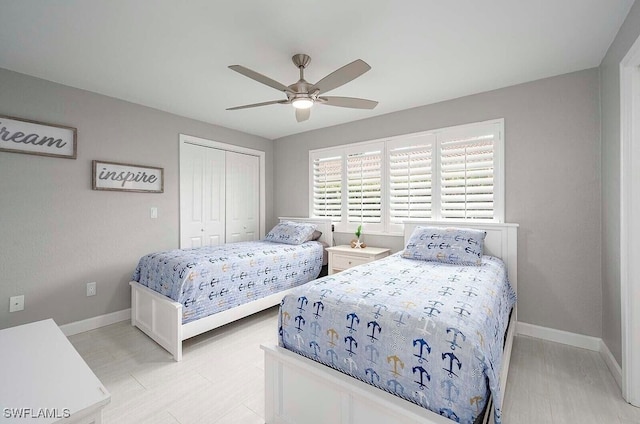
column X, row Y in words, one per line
column 410, row 182
column 466, row 177
column 448, row 174
column 364, row 175
column 327, row 188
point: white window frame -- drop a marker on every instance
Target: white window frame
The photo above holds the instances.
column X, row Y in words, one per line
column 386, row 227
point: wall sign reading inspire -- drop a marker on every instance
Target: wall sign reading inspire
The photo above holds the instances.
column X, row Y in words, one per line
column 37, row 138
column 125, row 177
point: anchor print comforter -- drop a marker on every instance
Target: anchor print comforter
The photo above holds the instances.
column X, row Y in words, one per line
column 428, row 332
column 208, row 280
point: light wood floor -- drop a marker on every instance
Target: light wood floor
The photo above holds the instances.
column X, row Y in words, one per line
column 220, row 379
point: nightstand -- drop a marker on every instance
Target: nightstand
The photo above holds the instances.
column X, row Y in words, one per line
column 345, row 257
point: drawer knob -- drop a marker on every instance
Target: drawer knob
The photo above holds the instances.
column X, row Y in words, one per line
column 349, row 262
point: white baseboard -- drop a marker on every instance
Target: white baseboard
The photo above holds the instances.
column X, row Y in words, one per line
column 611, row 362
column 559, row 336
column 577, row 340
column 95, row 322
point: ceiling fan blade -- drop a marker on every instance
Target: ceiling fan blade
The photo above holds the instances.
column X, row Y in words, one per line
column 272, row 102
column 259, row 77
column 351, row 102
column 302, row 114
column 341, row 76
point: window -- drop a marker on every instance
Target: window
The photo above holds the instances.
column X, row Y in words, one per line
column 327, row 188
column 364, row 187
column 410, row 185
column 466, row 177
column 447, row 174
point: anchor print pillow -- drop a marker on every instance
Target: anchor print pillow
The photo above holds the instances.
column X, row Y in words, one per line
column 290, row 232
column 462, row 246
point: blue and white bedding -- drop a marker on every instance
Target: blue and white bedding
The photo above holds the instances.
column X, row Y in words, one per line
column 428, row 332
column 208, row 280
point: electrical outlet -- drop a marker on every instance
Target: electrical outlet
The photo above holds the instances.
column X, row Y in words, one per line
column 91, row 289
column 16, row 303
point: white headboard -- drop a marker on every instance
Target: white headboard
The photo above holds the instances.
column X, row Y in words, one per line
column 501, row 241
column 323, row 225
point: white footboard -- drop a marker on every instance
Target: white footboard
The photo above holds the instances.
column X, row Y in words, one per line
column 299, row 390
column 158, row 317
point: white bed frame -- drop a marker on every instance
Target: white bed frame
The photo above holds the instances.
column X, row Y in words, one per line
column 301, row 391
column 160, row 317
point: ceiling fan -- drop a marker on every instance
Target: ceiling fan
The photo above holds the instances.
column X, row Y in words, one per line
column 302, row 94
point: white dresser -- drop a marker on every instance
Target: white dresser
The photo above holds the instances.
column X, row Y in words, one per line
column 345, row 257
column 45, row 380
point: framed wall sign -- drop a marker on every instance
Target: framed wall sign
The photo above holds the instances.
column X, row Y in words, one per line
column 37, row 138
column 125, row 177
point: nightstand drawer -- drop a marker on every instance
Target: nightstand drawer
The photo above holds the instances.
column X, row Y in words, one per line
column 346, row 262
column 345, row 257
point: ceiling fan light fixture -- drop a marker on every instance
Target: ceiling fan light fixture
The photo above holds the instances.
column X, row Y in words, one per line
column 302, row 95
column 302, row 103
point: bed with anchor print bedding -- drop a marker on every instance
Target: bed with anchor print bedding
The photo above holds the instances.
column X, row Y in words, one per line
column 208, row 280
column 429, row 332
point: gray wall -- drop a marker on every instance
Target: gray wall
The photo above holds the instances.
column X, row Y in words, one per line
column 610, row 94
column 552, row 186
column 56, row 234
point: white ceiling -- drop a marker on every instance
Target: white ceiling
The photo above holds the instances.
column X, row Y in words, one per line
column 173, row 55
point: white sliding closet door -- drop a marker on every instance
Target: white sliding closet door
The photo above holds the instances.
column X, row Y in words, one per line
column 202, row 194
column 243, row 197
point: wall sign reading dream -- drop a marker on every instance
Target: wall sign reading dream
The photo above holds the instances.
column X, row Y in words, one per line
column 37, row 138
column 125, row 177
